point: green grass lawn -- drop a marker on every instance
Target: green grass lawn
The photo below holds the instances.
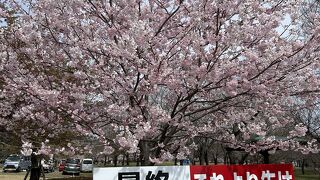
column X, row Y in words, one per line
column 49, row 176
column 309, row 175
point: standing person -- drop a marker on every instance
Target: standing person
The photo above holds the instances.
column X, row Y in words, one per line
column 35, row 166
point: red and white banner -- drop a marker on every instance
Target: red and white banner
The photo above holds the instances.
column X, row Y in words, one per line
column 214, row 172
column 142, row 173
column 243, row 172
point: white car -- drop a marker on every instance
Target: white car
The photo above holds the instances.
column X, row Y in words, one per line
column 47, row 166
column 17, row 163
column 86, row 165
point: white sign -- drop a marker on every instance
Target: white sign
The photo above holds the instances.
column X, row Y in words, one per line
column 142, row 173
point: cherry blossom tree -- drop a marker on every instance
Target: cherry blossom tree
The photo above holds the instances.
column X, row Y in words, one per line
column 309, row 117
column 310, row 9
column 150, row 76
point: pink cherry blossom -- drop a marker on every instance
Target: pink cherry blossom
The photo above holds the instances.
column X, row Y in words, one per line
column 151, row 76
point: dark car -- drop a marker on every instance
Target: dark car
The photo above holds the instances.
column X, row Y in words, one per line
column 72, row 167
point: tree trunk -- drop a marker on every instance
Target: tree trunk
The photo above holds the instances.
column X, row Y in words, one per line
column 229, row 158
column 201, row 155
column 243, row 158
column 123, row 159
column 206, row 157
column 105, row 160
column 266, row 157
column 127, row 158
column 137, row 159
column 194, row 162
column 144, row 153
column 175, row 161
column 225, row 159
column 215, row 159
column 115, row 160
column 302, row 166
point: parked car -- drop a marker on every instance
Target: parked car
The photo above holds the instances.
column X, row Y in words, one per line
column 185, row 162
column 48, row 166
column 72, row 167
column 61, row 165
column 17, row 163
column 86, row 165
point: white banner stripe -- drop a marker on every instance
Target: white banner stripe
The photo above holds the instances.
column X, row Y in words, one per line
column 142, row 173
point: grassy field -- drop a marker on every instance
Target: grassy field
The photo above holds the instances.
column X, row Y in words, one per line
column 54, row 175
column 309, row 175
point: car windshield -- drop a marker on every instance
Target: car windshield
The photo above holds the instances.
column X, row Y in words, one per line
column 73, row 161
column 13, row 158
column 87, row 162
